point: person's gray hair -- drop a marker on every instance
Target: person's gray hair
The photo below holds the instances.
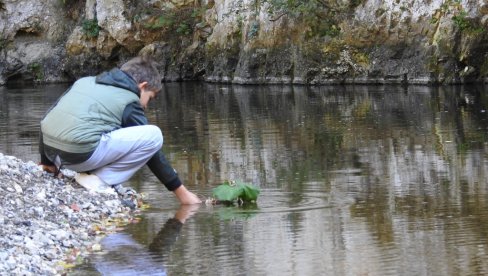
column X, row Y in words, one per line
column 143, row 69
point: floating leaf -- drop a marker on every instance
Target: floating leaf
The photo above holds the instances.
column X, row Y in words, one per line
column 225, row 192
column 249, row 193
column 234, row 190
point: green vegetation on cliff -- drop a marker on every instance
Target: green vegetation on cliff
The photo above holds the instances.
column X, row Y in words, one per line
column 321, row 16
column 459, row 15
column 178, row 20
column 90, row 27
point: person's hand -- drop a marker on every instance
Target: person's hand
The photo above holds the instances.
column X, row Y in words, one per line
column 186, row 211
column 185, row 196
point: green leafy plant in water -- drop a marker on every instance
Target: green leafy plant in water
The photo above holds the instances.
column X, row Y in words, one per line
column 236, row 190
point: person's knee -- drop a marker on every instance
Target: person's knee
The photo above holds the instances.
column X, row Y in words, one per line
column 156, row 136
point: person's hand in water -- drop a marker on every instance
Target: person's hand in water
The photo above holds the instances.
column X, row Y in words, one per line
column 186, row 211
column 186, row 197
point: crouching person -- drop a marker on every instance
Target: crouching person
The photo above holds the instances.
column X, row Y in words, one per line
column 98, row 128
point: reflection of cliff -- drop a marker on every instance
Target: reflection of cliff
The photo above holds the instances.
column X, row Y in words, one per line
column 274, row 135
column 424, row 177
column 20, row 111
column 250, row 133
column 400, row 158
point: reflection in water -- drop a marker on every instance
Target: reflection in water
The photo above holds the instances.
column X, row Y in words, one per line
column 377, row 180
column 122, row 255
column 21, row 109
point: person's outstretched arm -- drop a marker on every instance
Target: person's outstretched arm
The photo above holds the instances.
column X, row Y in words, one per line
column 158, row 164
column 161, row 168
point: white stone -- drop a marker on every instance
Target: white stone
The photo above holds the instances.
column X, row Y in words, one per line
column 18, row 189
column 41, row 195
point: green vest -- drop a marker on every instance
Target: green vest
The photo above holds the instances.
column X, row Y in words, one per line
column 76, row 123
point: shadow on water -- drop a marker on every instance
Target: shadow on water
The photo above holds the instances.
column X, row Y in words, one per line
column 355, row 180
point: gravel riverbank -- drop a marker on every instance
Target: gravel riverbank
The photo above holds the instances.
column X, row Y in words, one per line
column 50, row 224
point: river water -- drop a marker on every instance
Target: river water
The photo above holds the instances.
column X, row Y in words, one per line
column 355, row 180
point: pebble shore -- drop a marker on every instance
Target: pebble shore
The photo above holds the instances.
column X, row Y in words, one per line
column 50, row 224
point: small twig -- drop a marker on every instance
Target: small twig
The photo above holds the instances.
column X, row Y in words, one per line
column 276, row 18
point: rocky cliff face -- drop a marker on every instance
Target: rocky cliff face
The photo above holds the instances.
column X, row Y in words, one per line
column 249, row 41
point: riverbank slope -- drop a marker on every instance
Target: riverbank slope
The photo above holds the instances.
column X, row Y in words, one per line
column 50, row 224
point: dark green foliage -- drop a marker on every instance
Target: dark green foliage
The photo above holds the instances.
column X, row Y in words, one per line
column 162, row 21
column 90, row 27
column 3, row 43
column 462, row 22
column 183, row 29
column 320, row 16
column 66, row 2
column 459, row 17
column 36, row 70
column 484, row 68
column 253, row 30
column 180, row 21
column 354, row 3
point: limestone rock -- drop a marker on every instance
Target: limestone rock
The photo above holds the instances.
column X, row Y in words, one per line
column 244, row 41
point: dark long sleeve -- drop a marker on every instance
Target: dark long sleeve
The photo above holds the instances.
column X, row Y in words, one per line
column 166, row 237
column 163, row 171
column 134, row 116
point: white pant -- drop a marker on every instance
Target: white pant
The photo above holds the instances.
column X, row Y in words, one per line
column 121, row 153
